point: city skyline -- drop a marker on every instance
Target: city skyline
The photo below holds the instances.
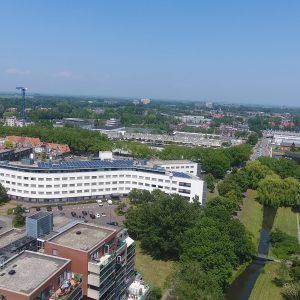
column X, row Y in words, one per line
column 220, row 52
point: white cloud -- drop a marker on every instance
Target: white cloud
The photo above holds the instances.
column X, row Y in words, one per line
column 63, row 74
column 15, row 71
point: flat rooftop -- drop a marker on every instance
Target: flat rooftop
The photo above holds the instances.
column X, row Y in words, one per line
column 39, row 215
column 29, row 273
column 171, row 162
column 82, row 236
column 11, row 236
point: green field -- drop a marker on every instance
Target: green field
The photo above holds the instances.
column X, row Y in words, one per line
column 251, row 216
column 154, row 272
column 264, row 287
column 286, row 221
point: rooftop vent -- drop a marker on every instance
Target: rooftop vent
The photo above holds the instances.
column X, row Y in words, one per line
column 11, row 272
column 78, row 232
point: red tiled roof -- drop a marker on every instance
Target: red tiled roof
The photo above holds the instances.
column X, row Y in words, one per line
column 63, row 148
column 24, row 140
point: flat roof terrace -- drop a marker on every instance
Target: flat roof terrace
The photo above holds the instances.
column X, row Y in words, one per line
column 29, row 274
column 82, row 236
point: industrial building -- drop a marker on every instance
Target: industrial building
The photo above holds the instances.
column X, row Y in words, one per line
column 82, row 180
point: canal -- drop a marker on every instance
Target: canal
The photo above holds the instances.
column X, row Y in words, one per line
column 241, row 288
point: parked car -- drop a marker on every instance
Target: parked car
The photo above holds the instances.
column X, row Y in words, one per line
column 49, row 208
column 98, row 215
column 37, row 208
column 59, row 207
column 113, row 223
column 92, row 216
column 73, row 214
column 109, row 202
column 84, row 212
column 26, row 210
column 103, row 214
column 100, row 203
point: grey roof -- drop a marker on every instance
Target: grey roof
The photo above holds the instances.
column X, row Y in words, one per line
column 29, row 273
column 82, row 236
column 39, row 215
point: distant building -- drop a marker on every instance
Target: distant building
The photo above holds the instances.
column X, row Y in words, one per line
column 13, row 122
column 24, row 141
column 209, row 104
column 112, row 122
column 145, row 101
column 38, row 146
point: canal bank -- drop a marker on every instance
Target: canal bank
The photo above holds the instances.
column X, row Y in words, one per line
column 241, row 288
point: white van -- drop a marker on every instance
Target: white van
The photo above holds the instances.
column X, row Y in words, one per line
column 100, row 203
column 109, row 202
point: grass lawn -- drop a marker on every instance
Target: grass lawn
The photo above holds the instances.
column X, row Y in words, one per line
column 251, row 216
column 286, row 221
column 210, row 195
column 6, row 206
column 264, row 287
column 154, row 271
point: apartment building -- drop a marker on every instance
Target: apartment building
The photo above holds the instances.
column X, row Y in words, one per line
column 103, row 256
column 34, row 276
column 82, row 180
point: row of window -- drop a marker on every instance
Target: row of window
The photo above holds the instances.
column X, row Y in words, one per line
column 83, row 184
column 178, row 167
column 86, row 177
column 98, row 190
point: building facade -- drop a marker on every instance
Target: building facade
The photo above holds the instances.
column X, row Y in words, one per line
column 39, row 224
column 104, row 257
column 83, row 180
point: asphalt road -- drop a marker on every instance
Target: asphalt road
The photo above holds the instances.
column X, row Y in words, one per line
column 262, row 148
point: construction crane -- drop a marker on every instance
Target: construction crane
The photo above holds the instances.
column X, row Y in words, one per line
column 23, row 90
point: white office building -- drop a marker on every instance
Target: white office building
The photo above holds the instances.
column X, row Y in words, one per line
column 185, row 166
column 83, row 180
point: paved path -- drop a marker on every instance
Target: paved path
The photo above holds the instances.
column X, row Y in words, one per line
column 298, row 227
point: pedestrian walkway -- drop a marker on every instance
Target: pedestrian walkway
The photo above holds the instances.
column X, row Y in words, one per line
column 298, row 227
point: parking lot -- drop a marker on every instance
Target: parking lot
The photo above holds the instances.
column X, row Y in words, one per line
column 106, row 213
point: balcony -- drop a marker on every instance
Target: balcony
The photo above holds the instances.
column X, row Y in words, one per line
column 138, row 290
column 94, row 280
column 69, row 290
column 93, row 294
column 95, row 266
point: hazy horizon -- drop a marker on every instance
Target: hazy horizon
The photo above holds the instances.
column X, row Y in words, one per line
column 216, row 51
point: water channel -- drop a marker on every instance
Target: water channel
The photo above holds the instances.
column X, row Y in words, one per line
column 241, row 288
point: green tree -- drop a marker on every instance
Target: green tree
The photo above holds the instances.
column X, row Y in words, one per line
column 191, row 281
column 161, row 224
column 19, row 220
column 8, row 145
column 252, row 139
column 3, row 194
column 210, row 181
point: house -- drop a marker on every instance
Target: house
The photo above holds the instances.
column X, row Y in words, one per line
column 57, row 149
column 24, row 141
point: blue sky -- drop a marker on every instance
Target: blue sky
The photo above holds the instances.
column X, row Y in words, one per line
column 231, row 51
